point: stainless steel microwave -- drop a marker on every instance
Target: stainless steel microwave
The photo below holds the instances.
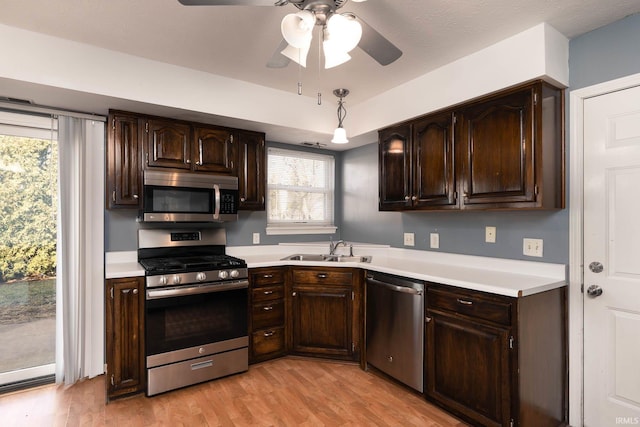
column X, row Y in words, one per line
column 189, row 197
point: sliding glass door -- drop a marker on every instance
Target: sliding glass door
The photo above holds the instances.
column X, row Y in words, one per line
column 28, row 232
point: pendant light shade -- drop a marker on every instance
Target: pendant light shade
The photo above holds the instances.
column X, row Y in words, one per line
column 344, row 32
column 297, row 55
column 339, row 136
column 297, row 28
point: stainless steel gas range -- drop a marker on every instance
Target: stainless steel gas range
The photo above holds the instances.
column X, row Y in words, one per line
column 196, row 315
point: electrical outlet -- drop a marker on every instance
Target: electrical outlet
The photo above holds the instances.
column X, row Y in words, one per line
column 532, row 247
column 256, row 238
column 490, row 234
column 409, row 239
column 434, row 240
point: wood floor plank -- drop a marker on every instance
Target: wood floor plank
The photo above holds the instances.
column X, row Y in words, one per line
column 283, row 392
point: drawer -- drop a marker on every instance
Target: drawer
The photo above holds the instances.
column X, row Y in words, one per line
column 470, row 305
column 267, row 314
column 267, row 293
column 266, row 277
column 328, row 277
column 267, row 341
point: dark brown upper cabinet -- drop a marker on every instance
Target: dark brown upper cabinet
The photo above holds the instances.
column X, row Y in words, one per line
column 252, row 170
column 124, row 166
column 502, row 151
column 167, row 144
column 213, row 150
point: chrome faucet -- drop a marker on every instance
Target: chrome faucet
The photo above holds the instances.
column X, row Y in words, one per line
column 334, row 246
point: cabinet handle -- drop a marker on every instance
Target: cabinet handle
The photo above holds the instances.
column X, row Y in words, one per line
column 465, row 302
column 188, row 161
column 242, row 199
column 268, row 308
column 135, row 292
column 113, row 196
column 427, row 319
column 293, row 294
column 321, row 276
column 407, row 198
column 268, row 334
column 414, row 198
column 267, row 292
column 135, row 196
column 268, row 276
column 198, row 164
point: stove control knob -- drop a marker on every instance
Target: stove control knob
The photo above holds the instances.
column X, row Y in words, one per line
column 223, row 274
column 176, row 279
column 201, row 277
column 163, row 280
column 234, row 273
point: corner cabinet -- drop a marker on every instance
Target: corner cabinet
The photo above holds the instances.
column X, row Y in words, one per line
column 325, row 312
column 124, row 341
column 124, row 162
column 494, row 360
column 502, row 151
column 252, row 170
column 267, row 337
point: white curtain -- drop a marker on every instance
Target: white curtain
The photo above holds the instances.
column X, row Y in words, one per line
column 80, row 252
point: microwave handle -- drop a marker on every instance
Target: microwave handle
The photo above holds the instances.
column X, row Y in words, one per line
column 216, row 213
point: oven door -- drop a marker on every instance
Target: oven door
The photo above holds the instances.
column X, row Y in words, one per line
column 186, row 322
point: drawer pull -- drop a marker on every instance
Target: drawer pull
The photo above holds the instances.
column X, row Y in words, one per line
column 465, row 302
column 322, row 276
column 268, row 334
column 268, row 308
column 267, row 292
column 268, row 276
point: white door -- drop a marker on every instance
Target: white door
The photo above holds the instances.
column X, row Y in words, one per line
column 612, row 238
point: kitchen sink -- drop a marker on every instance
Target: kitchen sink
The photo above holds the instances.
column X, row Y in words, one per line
column 327, row 258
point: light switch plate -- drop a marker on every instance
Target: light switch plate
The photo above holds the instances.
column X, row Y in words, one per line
column 409, row 239
column 532, row 247
column 256, row 238
column 490, row 234
column 434, row 240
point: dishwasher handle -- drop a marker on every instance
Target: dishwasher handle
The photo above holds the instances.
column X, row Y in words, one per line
column 404, row 289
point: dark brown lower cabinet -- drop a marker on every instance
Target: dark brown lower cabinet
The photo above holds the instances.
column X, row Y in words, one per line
column 325, row 312
column 124, row 322
column 497, row 361
column 267, row 337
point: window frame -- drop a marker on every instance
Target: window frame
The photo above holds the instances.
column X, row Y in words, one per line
column 296, row 227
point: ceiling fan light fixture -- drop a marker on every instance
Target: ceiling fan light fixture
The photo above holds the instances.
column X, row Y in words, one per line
column 343, row 31
column 333, row 57
column 297, row 28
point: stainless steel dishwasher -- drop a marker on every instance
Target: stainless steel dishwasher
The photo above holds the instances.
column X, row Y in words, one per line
column 395, row 327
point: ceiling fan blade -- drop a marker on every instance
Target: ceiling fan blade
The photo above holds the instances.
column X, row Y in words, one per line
column 229, row 2
column 375, row 44
column 278, row 60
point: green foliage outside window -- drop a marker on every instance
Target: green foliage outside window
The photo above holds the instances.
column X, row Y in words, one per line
column 28, row 207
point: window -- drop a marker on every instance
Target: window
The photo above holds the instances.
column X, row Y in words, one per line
column 300, row 192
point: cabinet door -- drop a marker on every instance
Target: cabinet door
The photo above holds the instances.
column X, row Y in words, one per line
column 496, row 138
column 123, row 162
column 168, row 144
column 468, row 368
column 395, row 168
column 125, row 336
column 322, row 320
column 433, row 162
column 214, row 150
column 251, row 170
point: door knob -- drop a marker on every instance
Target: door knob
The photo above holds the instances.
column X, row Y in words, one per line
column 594, row 291
column 596, row 267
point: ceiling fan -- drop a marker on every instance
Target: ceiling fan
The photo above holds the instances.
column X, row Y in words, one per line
column 341, row 32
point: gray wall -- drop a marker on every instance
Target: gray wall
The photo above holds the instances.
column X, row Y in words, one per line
column 603, row 54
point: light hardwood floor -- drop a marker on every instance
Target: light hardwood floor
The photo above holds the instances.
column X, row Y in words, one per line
column 282, row 392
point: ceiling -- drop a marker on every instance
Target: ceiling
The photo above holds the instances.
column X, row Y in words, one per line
column 237, row 41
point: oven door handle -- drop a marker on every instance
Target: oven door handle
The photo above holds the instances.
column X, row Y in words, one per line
column 194, row 290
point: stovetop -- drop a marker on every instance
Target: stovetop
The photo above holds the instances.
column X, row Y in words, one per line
column 184, row 264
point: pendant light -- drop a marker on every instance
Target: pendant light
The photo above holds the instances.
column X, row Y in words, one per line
column 340, row 134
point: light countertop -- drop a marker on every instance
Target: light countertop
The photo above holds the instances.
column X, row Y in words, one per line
column 512, row 278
